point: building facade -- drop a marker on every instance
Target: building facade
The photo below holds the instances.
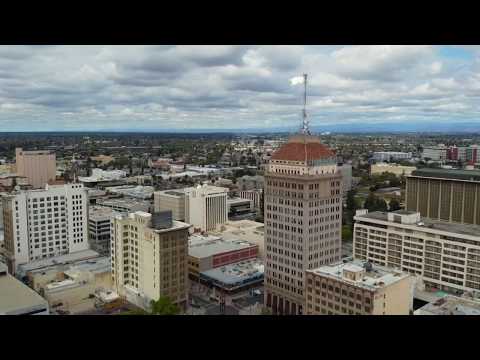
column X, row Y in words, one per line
column 435, row 153
column 45, row 223
column 210, row 252
column 203, row 206
column 39, row 167
column 206, row 207
column 449, row 195
column 398, row 170
column 445, row 256
column 303, row 216
column 149, row 259
column 99, row 228
column 382, row 156
column 173, row 200
column 346, row 171
column 358, row 288
column 254, row 195
column 247, row 182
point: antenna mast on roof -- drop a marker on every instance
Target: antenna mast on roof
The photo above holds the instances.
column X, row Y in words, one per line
column 305, row 128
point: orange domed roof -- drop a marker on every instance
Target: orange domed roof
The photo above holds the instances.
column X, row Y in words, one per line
column 303, row 148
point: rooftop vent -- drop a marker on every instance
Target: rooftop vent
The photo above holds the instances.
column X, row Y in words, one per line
column 368, row 266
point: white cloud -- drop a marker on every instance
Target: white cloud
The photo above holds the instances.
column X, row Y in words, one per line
column 296, row 80
column 225, row 86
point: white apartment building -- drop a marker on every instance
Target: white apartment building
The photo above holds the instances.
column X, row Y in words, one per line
column 149, row 258
column 45, row 223
column 254, row 195
column 391, row 155
column 203, row 206
column 206, row 207
column 446, row 256
column 435, row 153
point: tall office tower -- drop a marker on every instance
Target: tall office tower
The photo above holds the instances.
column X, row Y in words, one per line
column 448, row 195
column 203, row 206
column 303, row 217
column 39, row 167
column 149, row 257
column 44, row 223
column 206, row 207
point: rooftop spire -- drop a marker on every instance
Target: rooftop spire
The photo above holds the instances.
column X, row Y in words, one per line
column 305, row 127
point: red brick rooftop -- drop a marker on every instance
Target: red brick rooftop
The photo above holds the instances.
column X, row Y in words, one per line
column 303, row 148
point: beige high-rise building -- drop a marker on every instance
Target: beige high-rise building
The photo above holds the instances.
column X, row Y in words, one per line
column 448, row 195
column 444, row 255
column 39, row 167
column 358, row 288
column 303, row 217
column 173, row 200
column 149, row 258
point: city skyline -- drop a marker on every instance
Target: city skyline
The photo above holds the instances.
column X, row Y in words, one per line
column 80, row 88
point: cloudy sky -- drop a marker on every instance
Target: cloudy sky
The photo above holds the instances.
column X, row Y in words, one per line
column 196, row 87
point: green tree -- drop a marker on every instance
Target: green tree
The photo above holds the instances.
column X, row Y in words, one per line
column 164, row 306
column 394, row 205
column 351, row 202
column 347, row 233
column 373, row 203
column 370, row 202
column 381, row 205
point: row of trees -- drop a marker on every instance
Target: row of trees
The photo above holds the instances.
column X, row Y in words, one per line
column 372, row 203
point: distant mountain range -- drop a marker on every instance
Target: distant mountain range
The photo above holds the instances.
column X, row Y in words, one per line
column 388, row 127
column 403, row 127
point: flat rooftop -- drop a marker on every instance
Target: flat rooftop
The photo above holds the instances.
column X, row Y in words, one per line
column 177, row 193
column 176, row 225
column 124, row 203
column 452, row 174
column 16, row 297
column 237, row 200
column 100, row 212
column 96, row 266
column 375, row 278
column 64, row 259
column 464, row 229
column 212, row 245
column 236, row 273
column 451, row 305
column 138, row 191
column 244, row 225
